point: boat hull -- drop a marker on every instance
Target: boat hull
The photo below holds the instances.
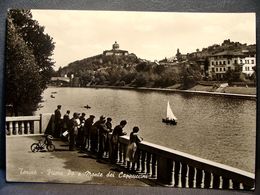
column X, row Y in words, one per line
column 169, row 121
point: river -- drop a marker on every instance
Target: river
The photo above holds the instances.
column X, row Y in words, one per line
column 221, row 129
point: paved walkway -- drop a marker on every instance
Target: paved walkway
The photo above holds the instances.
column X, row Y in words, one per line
column 60, row 166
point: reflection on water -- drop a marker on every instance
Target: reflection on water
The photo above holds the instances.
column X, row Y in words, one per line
column 217, row 128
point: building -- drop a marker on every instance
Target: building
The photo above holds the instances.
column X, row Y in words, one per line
column 248, row 64
column 115, row 51
column 221, row 62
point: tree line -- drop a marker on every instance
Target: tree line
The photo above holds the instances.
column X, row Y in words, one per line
column 28, row 62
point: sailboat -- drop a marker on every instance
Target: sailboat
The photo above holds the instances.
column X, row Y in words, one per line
column 170, row 117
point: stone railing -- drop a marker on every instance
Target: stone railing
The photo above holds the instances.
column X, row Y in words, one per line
column 26, row 125
column 160, row 164
column 177, row 169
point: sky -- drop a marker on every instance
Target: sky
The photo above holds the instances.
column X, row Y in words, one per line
column 150, row 35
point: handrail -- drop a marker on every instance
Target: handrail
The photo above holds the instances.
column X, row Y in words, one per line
column 22, row 118
column 241, row 177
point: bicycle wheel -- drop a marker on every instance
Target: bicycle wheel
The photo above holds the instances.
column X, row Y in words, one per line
column 50, row 147
column 35, row 147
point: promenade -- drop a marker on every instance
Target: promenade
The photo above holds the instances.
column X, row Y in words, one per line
column 60, row 166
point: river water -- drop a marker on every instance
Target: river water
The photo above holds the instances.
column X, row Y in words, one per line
column 221, row 129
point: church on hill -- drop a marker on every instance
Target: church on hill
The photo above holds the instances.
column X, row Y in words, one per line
column 115, row 51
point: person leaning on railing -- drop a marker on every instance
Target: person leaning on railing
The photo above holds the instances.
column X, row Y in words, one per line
column 118, row 131
column 135, row 139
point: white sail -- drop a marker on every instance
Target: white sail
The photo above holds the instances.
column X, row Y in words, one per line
column 170, row 114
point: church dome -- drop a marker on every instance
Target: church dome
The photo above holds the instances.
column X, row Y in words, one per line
column 115, row 45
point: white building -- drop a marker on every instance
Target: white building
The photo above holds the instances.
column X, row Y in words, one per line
column 248, row 64
column 220, row 63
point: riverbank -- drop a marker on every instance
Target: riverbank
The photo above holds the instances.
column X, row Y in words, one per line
column 238, row 92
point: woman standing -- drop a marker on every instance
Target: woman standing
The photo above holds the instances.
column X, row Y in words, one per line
column 135, row 139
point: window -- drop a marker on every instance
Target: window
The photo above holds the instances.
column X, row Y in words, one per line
column 216, row 63
column 235, row 62
column 252, row 61
column 224, row 62
column 216, row 69
column 228, row 62
column 212, row 69
column 220, row 63
column 220, row 69
column 212, row 63
column 224, row 69
column 241, row 61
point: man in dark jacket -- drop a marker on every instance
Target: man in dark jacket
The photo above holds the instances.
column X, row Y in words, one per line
column 118, row 131
column 102, row 138
column 80, row 136
column 57, row 122
column 94, row 134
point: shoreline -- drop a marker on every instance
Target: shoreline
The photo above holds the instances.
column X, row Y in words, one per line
column 235, row 95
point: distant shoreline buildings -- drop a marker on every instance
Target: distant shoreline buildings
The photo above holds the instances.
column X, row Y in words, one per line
column 210, row 64
column 216, row 60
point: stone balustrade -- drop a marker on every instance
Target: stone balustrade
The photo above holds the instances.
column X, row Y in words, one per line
column 160, row 164
column 178, row 169
column 25, row 125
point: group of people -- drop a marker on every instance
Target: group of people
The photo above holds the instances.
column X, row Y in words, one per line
column 85, row 134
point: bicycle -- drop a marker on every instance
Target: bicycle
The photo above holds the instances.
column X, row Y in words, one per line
column 42, row 144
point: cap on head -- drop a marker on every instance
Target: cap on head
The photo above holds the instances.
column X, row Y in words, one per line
column 59, row 106
column 123, row 122
column 102, row 117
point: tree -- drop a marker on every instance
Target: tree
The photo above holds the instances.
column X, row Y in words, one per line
column 41, row 44
column 232, row 76
column 28, row 62
column 22, row 74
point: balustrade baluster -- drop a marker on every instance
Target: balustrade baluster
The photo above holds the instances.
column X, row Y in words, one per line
column 187, row 177
column 241, row 186
column 28, row 127
column 172, row 183
column 22, row 128
column 16, row 128
column 143, row 162
column 230, row 184
column 211, row 180
column 202, row 185
column 11, row 128
column 180, row 176
column 148, row 164
column 195, row 178
column 154, row 166
column 220, row 182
